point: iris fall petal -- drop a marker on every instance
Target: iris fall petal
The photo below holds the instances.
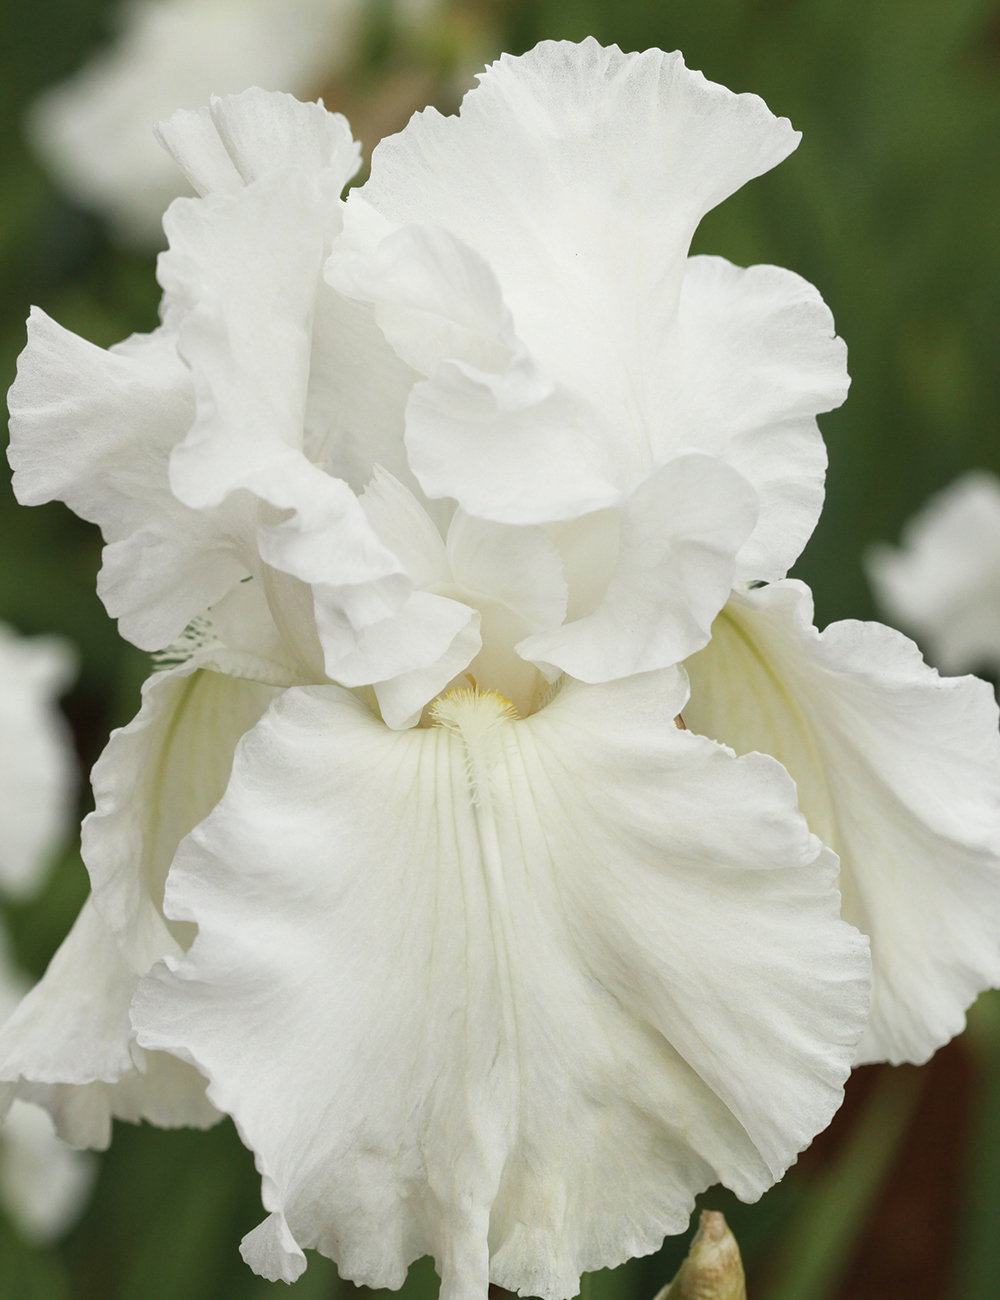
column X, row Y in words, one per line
column 896, row 770
column 493, row 968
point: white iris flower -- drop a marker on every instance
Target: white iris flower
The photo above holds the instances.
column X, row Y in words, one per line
column 425, row 497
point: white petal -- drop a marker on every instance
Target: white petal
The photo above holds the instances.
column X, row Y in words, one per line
column 406, row 528
column 516, row 463
column 69, row 1047
column 510, row 577
column 272, row 1251
column 434, row 296
column 37, row 766
column 234, row 141
column 585, row 129
column 535, row 455
column 431, row 630
column 943, row 583
column 157, row 778
column 357, row 396
column 245, row 270
column 617, row 157
column 94, row 428
column 898, row 770
column 242, row 640
column 517, row 567
column 757, row 358
column 44, row 1185
column 508, row 988
column 680, row 532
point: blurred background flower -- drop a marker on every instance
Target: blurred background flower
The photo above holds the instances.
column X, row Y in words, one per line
column 888, row 206
column 94, row 131
column 43, row 1183
column 942, row 584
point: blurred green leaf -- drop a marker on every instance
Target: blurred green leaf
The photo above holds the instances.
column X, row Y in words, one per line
column 817, row 1243
column 27, row 1273
column 38, row 926
column 977, row 1271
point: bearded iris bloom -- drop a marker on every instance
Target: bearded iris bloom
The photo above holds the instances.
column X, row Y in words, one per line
column 413, row 854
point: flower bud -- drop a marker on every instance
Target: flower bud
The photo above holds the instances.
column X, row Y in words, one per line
column 713, row 1269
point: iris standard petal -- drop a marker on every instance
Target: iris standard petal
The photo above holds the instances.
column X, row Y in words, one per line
column 679, row 535
column 517, row 567
column 756, row 358
column 401, row 699
column 434, row 630
column 506, row 580
column 544, row 312
column 237, row 139
column 522, row 987
column 244, row 270
column 898, row 770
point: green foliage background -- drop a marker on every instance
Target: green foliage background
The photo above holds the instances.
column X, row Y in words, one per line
column 890, row 206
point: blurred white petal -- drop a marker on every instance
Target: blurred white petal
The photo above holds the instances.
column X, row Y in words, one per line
column 942, row 584
column 44, row 1184
column 37, row 765
column 95, row 130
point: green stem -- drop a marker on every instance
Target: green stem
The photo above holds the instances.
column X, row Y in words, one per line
column 818, row 1244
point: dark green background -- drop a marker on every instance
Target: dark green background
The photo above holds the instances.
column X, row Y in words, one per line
column 891, row 206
